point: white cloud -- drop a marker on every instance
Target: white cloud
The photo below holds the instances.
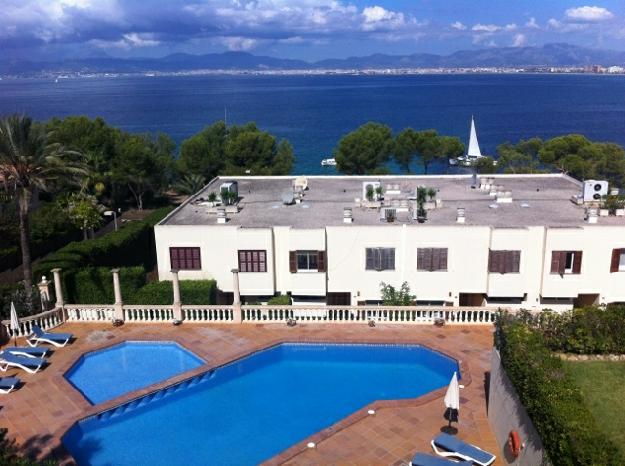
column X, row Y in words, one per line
column 510, row 27
column 554, row 23
column 376, row 17
column 519, row 40
column 239, row 44
column 458, row 26
column 532, row 24
column 489, row 28
column 589, row 13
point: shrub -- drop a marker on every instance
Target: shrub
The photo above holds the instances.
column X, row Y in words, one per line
column 10, row 258
column 94, row 285
column 393, row 297
column 567, row 428
column 280, row 300
column 161, row 293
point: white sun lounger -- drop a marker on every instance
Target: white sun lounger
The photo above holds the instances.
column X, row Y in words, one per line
column 8, row 384
column 56, row 339
column 31, row 365
column 449, row 446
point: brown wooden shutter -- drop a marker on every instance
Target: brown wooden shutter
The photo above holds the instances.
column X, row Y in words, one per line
column 321, row 261
column 443, row 257
column 292, row 261
column 516, row 261
column 420, row 258
column 616, row 258
column 555, row 262
column 436, row 259
column 427, row 259
column 495, row 261
column 577, row 262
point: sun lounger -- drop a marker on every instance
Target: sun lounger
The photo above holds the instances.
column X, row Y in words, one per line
column 8, row 384
column 449, row 446
column 31, row 365
column 421, row 459
column 36, row 352
column 56, row 339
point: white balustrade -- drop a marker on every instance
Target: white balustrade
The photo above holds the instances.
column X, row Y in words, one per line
column 148, row 313
column 89, row 312
column 45, row 320
column 208, row 313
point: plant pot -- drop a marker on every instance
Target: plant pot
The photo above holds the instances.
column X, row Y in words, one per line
column 619, row 212
column 421, row 219
column 604, row 212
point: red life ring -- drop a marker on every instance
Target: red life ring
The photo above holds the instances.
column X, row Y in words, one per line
column 514, row 443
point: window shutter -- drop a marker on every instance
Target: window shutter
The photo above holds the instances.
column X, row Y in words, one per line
column 292, row 261
column 616, row 258
column 321, row 261
column 516, row 261
column 443, row 258
column 369, row 261
column 427, row 259
column 577, row 262
column 493, row 261
column 421, row 259
column 390, row 259
column 555, row 262
column 173, row 258
column 436, row 259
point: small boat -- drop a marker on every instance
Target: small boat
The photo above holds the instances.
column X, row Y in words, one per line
column 473, row 154
column 328, row 162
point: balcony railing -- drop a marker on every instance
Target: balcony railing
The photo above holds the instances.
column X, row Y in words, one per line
column 46, row 320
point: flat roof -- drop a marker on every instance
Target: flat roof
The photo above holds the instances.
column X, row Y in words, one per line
column 537, row 200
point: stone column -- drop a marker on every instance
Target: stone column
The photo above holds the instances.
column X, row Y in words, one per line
column 177, row 302
column 58, row 288
column 44, row 292
column 236, row 302
column 119, row 304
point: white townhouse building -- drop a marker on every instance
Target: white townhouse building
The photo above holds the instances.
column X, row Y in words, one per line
column 516, row 240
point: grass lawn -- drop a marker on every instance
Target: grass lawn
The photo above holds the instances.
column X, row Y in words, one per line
column 603, row 385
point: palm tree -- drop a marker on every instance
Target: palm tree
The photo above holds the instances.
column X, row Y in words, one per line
column 29, row 163
column 190, row 184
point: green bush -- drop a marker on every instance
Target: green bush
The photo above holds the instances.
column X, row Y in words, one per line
column 94, row 285
column 191, row 292
column 589, row 330
column 566, row 426
column 10, row 258
column 280, row 300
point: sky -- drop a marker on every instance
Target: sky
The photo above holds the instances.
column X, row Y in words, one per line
column 305, row 29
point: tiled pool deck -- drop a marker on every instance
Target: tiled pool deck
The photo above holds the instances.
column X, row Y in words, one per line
column 46, row 405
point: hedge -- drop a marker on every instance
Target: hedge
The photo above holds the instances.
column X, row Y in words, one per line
column 280, row 300
column 589, row 330
column 160, row 293
column 132, row 245
column 566, row 426
column 94, row 285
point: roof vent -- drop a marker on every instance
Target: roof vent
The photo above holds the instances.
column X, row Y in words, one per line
column 347, row 215
column 504, row 196
column 287, row 197
column 591, row 215
column 221, row 215
column 460, row 215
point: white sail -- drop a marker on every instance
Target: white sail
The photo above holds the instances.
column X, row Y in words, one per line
column 474, row 147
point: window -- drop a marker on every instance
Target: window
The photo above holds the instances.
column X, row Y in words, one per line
column 431, row 259
column 185, row 258
column 252, row 261
column 618, row 261
column 311, row 261
column 566, row 262
column 380, row 259
column 504, row 261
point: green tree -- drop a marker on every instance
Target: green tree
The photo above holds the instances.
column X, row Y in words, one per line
column 365, row 149
column 405, row 148
column 519, row 158
column 190, row 184
column 485, row 165
column 84, row 212
column 143, row 165
column 28, row 162
column 452, row 147
column 255, row 152
column 394, row 297
column 203, row 153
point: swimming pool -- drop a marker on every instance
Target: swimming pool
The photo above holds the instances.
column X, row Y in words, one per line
column 105, row 374
column 253, row 408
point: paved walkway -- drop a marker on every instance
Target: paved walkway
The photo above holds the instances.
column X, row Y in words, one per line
column 46, row 405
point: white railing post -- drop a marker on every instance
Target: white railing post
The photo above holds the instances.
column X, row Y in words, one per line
column 119, row 304
column 177, row 304
column 236, row 303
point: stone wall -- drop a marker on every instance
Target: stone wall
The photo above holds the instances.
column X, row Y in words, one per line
column 506, row 413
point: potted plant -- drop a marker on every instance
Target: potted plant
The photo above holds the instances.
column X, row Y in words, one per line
column 422, row 214
column 379, row 192
column 370, row 192
column 212, row 198
column 431, row 194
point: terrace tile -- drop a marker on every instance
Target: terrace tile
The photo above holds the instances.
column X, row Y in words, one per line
column 40, row 412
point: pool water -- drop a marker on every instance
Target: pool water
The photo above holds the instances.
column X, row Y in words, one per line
column 106, row 374
column 253, row 408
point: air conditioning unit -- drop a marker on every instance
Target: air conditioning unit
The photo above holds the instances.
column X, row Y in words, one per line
column 594, row 190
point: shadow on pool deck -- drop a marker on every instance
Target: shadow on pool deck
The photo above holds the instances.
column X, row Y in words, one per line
column 47, row 405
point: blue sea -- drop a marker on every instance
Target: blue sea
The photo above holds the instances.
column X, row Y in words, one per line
column 313, row 112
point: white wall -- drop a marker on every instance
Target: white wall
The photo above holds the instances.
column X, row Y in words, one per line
column 301, row 283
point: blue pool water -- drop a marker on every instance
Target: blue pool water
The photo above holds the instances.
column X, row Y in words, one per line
column 251, row 409
column 106, row 374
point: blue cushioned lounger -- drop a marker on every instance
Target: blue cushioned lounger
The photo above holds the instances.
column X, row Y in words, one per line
column 452, row 447
column 31, row 365
column 8, row 384
column 38, row 352
column 56, row 339
column 421, row 459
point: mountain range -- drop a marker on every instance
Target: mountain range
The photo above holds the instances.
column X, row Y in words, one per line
column 544, row 56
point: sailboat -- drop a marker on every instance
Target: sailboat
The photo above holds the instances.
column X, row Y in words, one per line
column 473, row 153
